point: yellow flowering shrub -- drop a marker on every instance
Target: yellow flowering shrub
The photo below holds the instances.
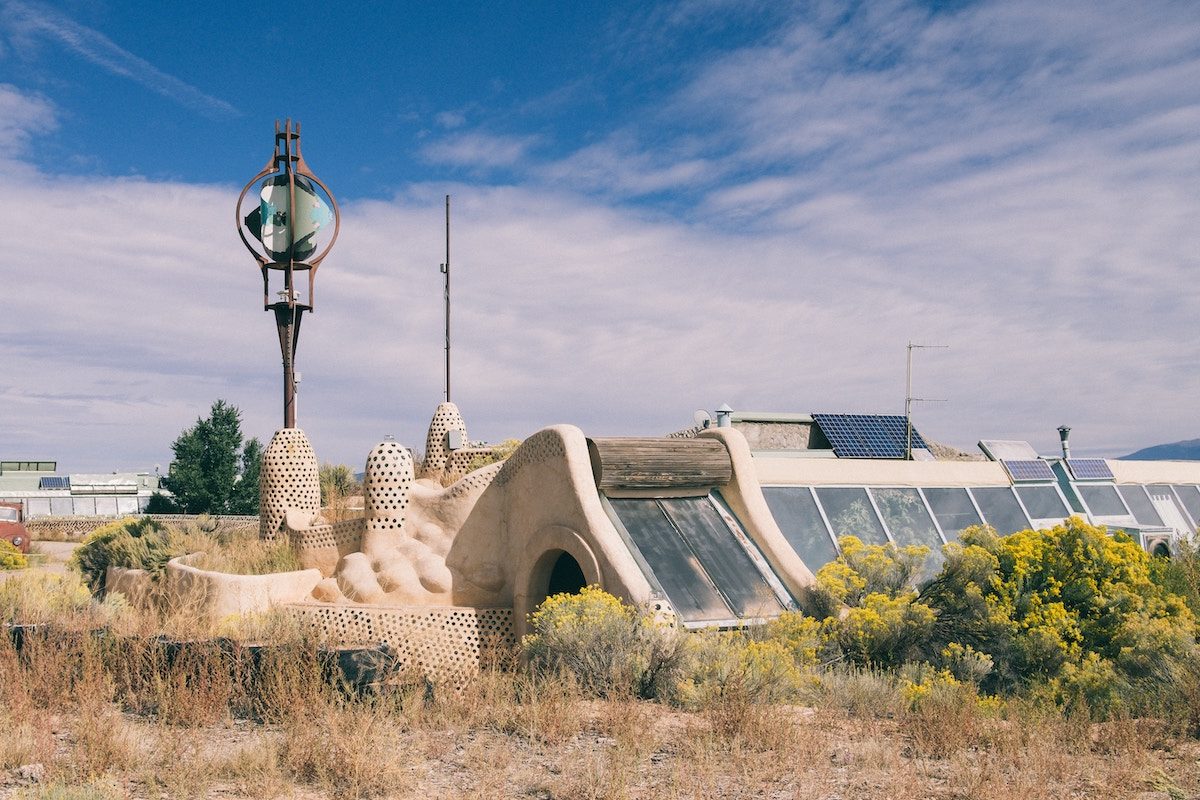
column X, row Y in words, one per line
column 11, row 556
column 608, row 646
column 800, row 634
column 1070, row 613
column 735, row 664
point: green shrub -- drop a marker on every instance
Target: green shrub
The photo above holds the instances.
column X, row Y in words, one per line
column 872, row 613
column 131, row 543
column 11, row 557
column 1070, row 614
column 732, row 665
column 609, row 647
column 1180, row 574
column 145, row 544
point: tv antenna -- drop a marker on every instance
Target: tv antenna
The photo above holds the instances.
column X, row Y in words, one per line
column 446, row 291
column 908, row 395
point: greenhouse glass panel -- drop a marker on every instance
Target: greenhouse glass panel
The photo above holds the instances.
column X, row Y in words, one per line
column 953, row 509
column 723, row 557
column 905, row 516
column 850, row 513
column 1000, row 509
column 692, row 594
column 1173, row 513
column 1190, row 497
column 1042, row 502
column 1102, row 500
column 796, row 512
column 1139, row 503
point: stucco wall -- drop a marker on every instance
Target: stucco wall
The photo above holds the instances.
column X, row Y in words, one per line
column 1155, row 471
column 869, row 472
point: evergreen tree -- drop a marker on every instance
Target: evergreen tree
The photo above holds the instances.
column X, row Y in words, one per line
column 211, row 472
column 245, row 493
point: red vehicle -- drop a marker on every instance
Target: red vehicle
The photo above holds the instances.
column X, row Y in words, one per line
column 12, row 528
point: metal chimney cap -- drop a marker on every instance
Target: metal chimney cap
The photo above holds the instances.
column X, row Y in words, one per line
column 724, row 409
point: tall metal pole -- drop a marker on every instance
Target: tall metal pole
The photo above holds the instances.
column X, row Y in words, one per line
column 909, row 399
column 908, row 405
column 446, row 272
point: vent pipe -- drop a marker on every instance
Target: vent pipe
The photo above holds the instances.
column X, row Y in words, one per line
column 724, row 413
column 1064, row 433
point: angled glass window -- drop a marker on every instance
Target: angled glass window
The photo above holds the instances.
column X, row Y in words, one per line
column 1139, row 503
column 1042, row 502
column 953, row 509
column 1190, row 497
column 850, row 513
column 698, row 560
column 1000, row 509
column 1168, row 506
column 905, row 516
column 673, row 563
column 796, row 512
column 722, row 556
column 1102, row 500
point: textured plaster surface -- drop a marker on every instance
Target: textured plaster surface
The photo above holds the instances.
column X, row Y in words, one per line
column 220, row 594
column 487, row 540
column 289, row 482
column 772, row 471
column 445, row 419
column 1155, row 471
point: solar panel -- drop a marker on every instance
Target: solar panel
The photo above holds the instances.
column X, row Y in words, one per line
column 54, row 482
column 1028, row 470
column 867, row 435
column 1090, row 469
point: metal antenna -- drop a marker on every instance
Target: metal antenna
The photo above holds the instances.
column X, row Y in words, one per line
column 909, row 399
column 446, row 272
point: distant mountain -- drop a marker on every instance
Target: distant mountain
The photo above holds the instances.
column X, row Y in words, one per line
column 1176, row 451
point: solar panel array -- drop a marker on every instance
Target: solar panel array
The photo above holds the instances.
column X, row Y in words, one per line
column 1090, row 469
column 867, row 435
column 1028, row 470
column 54, row 482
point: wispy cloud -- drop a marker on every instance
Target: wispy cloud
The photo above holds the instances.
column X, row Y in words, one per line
column 21, row 117
column 620, row 167
column 1015, row 179
column 26, row 20
column 478, row 149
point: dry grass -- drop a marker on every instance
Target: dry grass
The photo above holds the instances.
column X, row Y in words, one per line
column 126, row 715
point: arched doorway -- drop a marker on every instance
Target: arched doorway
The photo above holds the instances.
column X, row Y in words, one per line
column 566, row 576
column 1161, row 550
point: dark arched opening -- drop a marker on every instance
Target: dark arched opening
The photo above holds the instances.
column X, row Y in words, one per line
column 566, row 577
column 1161, row 550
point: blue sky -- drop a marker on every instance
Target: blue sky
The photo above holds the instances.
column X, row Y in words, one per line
column 658, row 207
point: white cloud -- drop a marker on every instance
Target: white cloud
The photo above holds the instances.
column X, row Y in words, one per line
column 28, row 21
column 21, row 117
column 620, row 167
column 1008, row 180
column 451, row 119
column 478, row 149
